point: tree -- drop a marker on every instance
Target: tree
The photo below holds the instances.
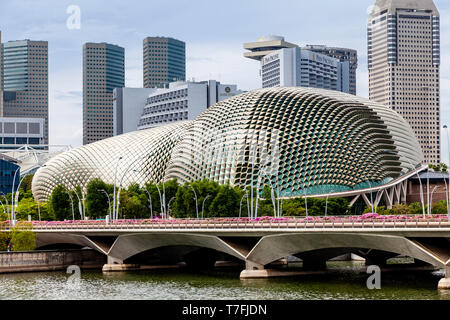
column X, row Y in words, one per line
column 22, row 237
column 226, row 203
column 59, row 203
column 97, row 205
column 401, row 209
column 416, row 208
column 439, row 208
column 27, row 206
column 134, row 202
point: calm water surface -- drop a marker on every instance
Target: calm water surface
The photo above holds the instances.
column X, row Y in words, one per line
column 344, row 282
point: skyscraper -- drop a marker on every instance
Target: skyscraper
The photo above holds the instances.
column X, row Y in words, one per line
column 264, row 46
column 309, row 66
column 404, row 62
column 164, row 61
column 25, row 80
column 103, row 70
column 343, row 55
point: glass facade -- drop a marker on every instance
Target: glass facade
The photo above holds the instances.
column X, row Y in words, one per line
column 7, row 170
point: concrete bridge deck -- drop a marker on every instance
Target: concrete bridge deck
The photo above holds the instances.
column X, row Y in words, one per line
column 257, row 243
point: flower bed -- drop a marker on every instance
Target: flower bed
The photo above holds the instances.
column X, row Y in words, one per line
column 368, row 217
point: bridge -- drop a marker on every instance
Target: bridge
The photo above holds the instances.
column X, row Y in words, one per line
column 256, row 243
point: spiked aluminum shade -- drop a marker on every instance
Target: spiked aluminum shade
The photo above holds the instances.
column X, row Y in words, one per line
column 304, row 140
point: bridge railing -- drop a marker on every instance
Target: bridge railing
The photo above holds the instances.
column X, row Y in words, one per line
column 284, row 223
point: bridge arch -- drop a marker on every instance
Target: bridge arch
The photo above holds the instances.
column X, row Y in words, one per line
column 129, row 245
column 44, row 239
column 274, row 247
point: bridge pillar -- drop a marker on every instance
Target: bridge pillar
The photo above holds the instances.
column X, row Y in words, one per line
column 444, row 283
column 117, row 265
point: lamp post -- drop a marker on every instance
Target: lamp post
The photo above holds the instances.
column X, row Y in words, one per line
column 12, row 194
column 71, row 200
column 306, row 200
column 431, row 198
column 7, row 205
column 240, row 205
column 376, row 197
column 370, row 187
column 168, row 205
column 114, row 193
column 160, row 201
column 448, row 191
column 109, row 200
column 446, row 194
column 196, row 201
column 16, row 198
column 79, row 205
column 3, row 206
column 326, row 203
column 203, row 205
column 251, row 190
column 120, row 188
column 150, row 201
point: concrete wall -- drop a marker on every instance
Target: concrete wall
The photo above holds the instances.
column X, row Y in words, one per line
column 50, row 260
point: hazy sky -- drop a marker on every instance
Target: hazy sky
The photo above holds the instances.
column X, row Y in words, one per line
column 214, row 32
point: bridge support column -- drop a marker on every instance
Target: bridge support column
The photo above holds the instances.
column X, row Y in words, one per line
column 444, row 283
column 117, row 265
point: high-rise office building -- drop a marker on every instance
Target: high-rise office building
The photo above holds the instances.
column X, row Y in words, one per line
column 264, row 46
column 286, row 64
column 103, row 70
column 25, row 81
column 404, row 62
column 164, row 61
column 182, row 101
column 296, row 67
column 343, row 55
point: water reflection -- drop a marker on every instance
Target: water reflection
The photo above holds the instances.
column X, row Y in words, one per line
column 345, row 280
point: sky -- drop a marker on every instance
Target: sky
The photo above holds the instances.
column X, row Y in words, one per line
column 214, row 32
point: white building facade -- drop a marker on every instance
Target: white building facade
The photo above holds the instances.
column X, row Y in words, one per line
column 182, row 101
column 295, row 67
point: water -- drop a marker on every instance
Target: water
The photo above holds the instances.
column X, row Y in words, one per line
column 344, row 282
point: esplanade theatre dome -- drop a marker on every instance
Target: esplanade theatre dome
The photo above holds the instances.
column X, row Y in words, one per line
column 302, row 140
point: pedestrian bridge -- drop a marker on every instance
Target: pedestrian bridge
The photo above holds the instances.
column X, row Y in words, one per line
column 258, row 244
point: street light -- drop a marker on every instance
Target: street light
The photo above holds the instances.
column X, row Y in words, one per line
column 109, row 201
column 150, row 200
column 160, row 201
column 71, row 200
column 326, row 202
column 196, row 201
column 203, row 205
column 79, row 205
column 16, row 198
column 114, row 194
column 448, row 191
column 7, row 204
column 168, row 205
column 370, row 186
column 376, row 198
column 240, row 205
column 431, row 198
